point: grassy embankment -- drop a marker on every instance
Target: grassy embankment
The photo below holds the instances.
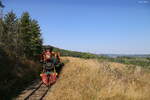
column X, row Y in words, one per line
column 90, row 79
column 15, row 74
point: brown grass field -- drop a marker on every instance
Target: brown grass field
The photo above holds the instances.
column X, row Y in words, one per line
column 100, row 80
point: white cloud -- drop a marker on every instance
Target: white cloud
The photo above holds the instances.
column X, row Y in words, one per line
column 143, row 2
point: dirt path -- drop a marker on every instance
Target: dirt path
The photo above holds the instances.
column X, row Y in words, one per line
column 36, row 91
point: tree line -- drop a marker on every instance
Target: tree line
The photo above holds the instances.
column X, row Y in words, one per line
column 20, row 37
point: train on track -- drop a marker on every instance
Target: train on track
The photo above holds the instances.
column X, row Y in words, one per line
column 49, row 76
column 50, row 73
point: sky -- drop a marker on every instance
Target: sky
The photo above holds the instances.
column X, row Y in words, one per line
column 96, row 26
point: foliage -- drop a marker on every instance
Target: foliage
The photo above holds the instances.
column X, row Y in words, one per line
column 139, row 61
column 73, row 53
column 20, row 36
column 20, row 40
column 15, row 75
column 1, row 5
column 9, row 36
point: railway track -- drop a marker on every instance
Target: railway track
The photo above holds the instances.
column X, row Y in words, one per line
column 38, row 93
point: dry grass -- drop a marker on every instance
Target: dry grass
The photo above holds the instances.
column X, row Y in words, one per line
column 94, row 80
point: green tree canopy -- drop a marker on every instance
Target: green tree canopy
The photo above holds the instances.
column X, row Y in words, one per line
column 20, row 36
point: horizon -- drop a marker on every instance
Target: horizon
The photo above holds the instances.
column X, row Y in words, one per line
column 100, row 53
column 99, row 27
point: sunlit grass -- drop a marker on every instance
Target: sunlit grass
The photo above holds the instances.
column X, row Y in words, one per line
column 94, row 80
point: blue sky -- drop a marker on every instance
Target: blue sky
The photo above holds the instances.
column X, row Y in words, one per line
column 97, row 26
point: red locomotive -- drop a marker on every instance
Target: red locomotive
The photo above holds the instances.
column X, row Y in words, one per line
column 51, row 62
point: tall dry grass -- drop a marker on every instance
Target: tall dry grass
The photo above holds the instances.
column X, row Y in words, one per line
column 99, row 80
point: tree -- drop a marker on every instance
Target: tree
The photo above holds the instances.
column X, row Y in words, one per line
column 10, row 31
column 36, row 40
column 1, row 5
column 20, row 37
column 1, row 31
column 31, row 36
column 26, row 34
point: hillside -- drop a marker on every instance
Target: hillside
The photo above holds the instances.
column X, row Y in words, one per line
column 83, row 79
column 141, row 60
column 70, row 53
column 15, row 75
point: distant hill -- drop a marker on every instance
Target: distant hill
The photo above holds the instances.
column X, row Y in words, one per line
column 73, row 53
column 125, row 55
column 139, row 60
column 92, row 55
